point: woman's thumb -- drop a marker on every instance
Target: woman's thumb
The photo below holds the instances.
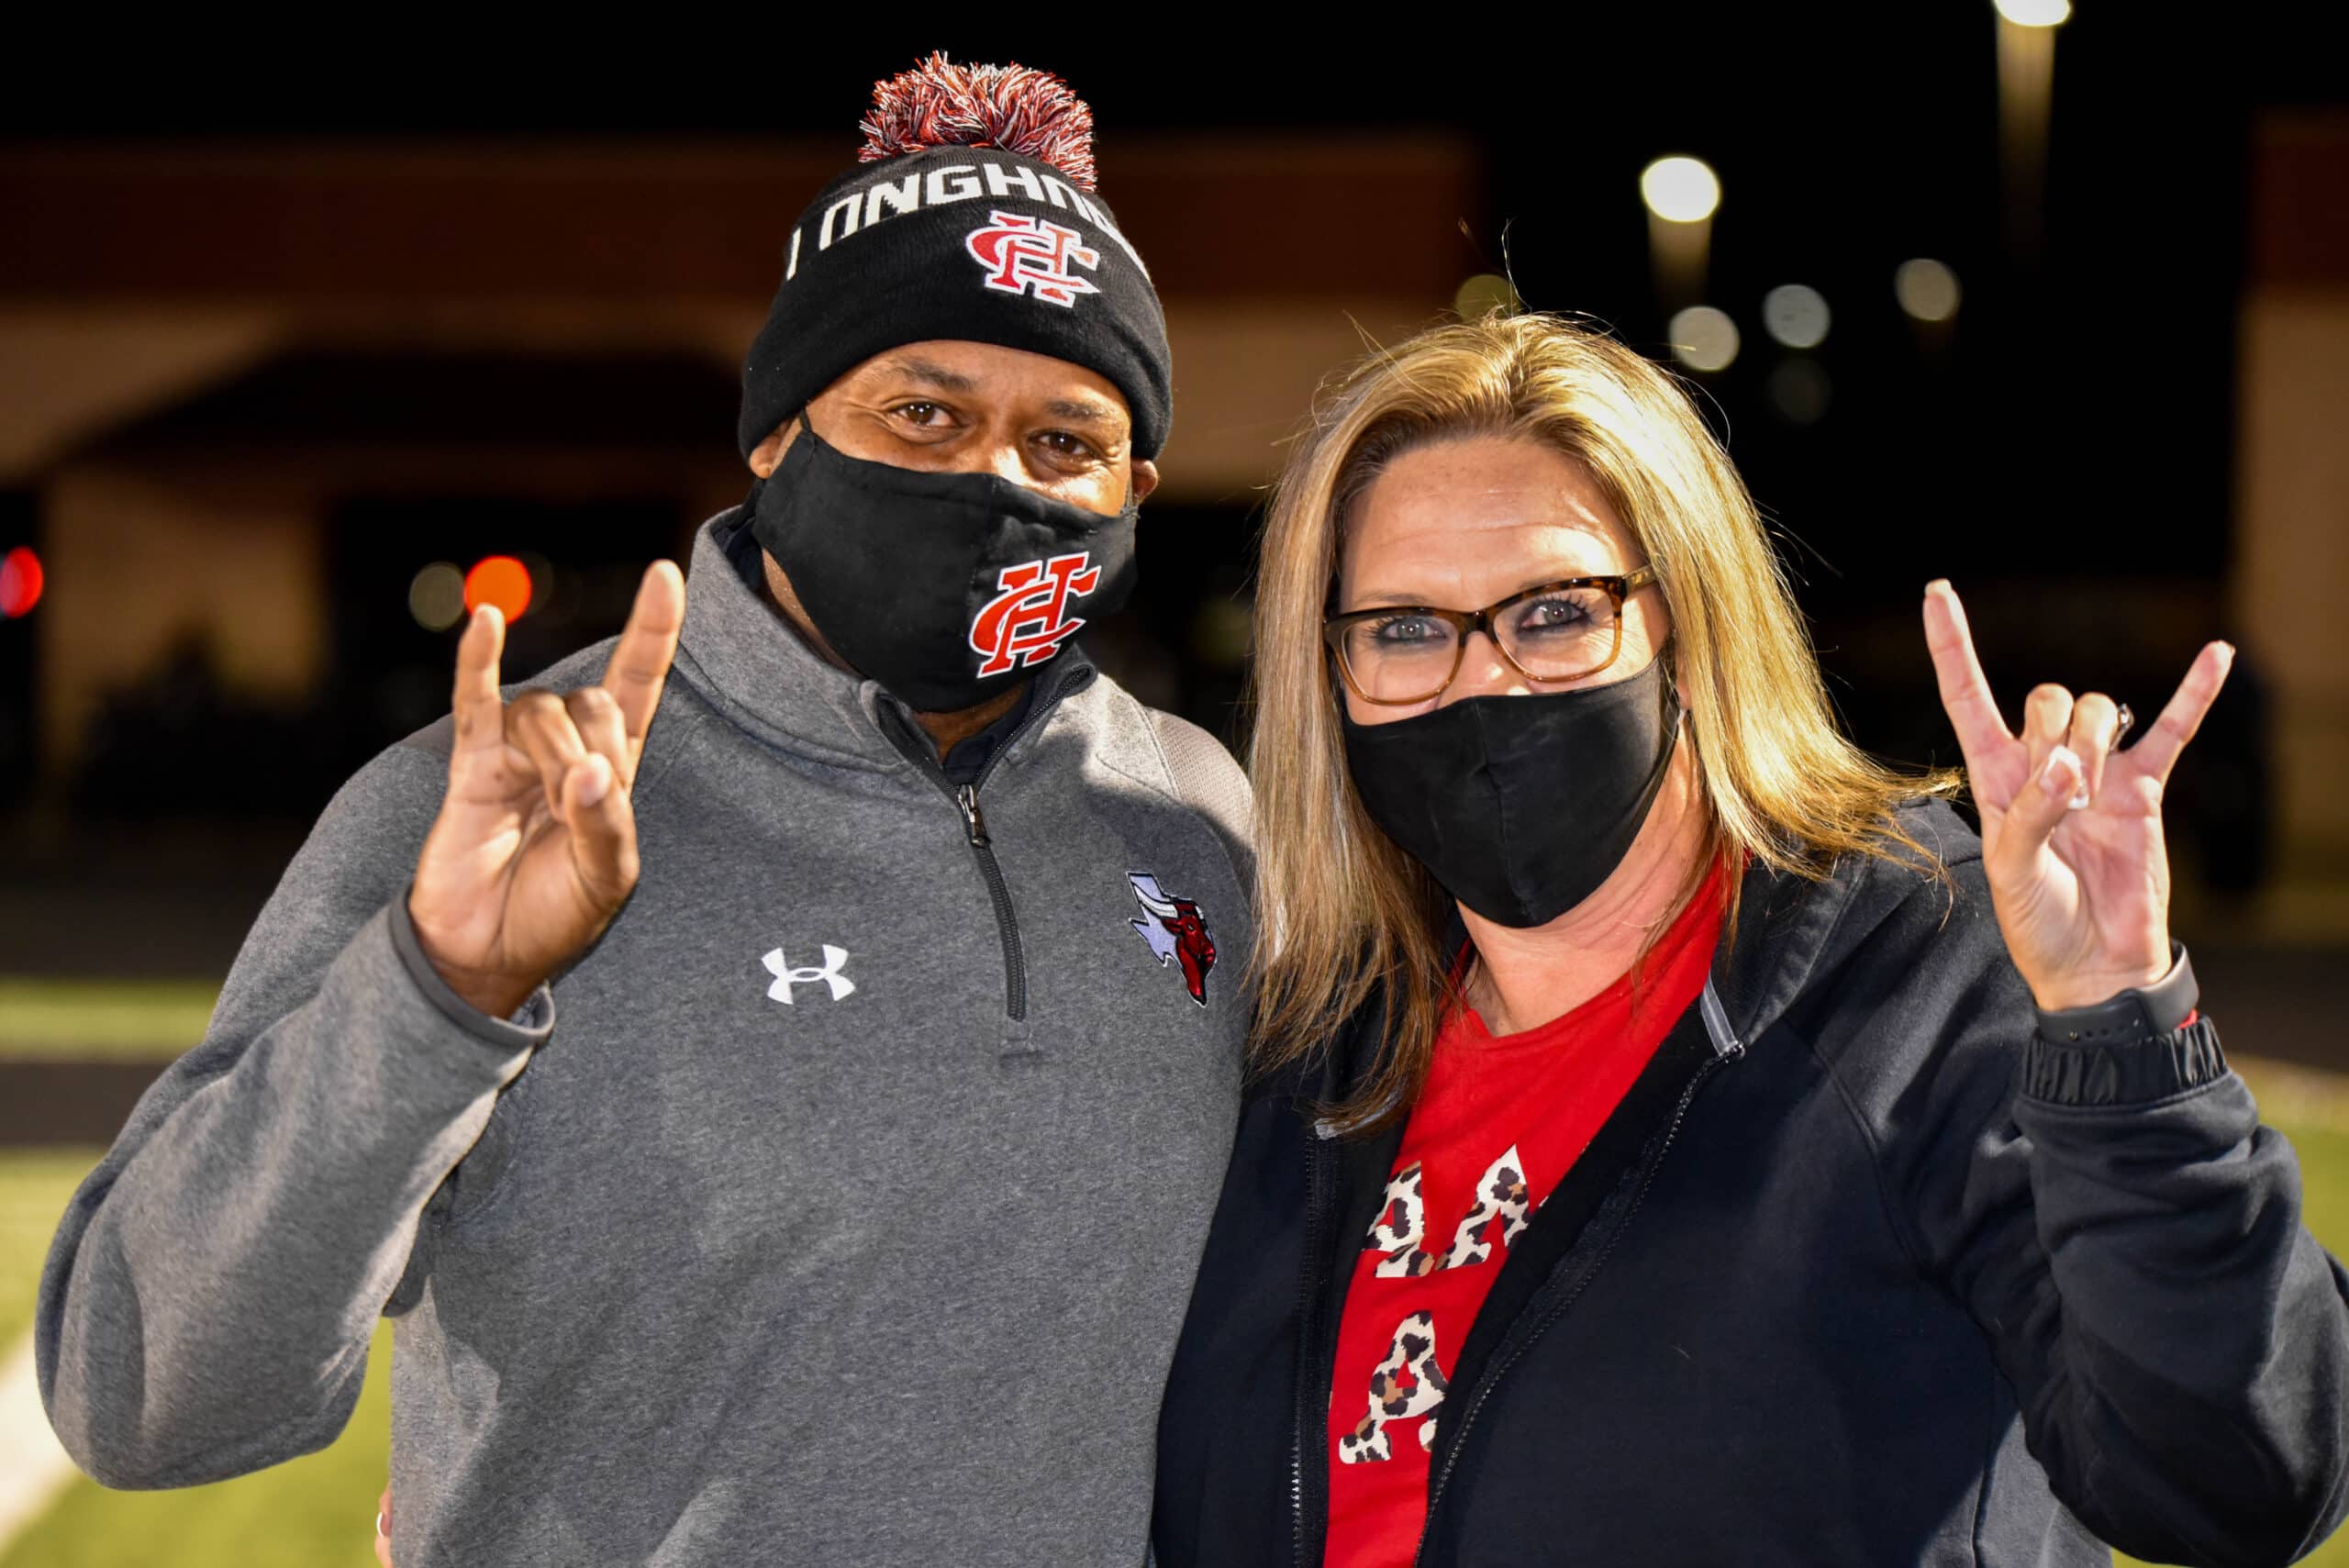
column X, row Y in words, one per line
column 2041, row 803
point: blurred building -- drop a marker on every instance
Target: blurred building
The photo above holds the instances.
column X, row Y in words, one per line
column 2290, row 576
column 262, row 399
column 248, row 393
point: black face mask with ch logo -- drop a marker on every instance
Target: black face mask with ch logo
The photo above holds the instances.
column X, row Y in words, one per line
column 1520, row 806
column 947, row 588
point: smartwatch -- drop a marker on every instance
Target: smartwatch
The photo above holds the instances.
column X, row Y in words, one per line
column 2134, row 1014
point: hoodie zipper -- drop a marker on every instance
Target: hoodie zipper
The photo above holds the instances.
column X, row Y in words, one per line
column 1556, row 1309
column 974, row 827
column 1309, row 1301
column 1007, row 922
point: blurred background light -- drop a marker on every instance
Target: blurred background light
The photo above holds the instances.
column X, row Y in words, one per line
column 1927, row 289
column 21, row 582
column 498, row 580
column 1223, row 630
column 1703, row 338
column 1795, row 315
column 1680, row 189
column 437, row 597
column 1800, row 390
column 2026, row 31
column 542, row 582
column 1484, row 294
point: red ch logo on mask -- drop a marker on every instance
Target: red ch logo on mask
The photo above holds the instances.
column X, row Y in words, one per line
column 1022, row 254
column 1027, row 622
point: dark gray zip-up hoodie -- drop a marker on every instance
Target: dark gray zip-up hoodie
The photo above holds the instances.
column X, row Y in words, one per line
column 840, row 1206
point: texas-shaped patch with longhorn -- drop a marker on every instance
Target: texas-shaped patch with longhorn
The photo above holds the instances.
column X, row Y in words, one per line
column 1176, row 931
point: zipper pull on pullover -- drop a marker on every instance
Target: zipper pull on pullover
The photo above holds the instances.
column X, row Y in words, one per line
column 967, row 797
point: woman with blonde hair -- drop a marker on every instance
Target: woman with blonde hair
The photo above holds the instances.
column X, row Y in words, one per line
column 1676, row 1139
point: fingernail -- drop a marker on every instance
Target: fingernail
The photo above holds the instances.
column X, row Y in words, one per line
column 2061, row 770
column 383, row 1525
column 598, row 780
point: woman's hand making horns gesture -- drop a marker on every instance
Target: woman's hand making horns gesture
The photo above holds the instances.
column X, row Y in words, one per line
column 534, row 850
column 2071, row 827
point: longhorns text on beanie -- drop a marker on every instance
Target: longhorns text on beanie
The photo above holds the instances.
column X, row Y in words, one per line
column 972, row 215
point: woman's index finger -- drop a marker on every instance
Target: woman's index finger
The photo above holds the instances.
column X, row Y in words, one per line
column 1965, row 690
column 648, row 644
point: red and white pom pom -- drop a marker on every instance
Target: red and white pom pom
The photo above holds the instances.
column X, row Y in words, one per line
column 940, row 104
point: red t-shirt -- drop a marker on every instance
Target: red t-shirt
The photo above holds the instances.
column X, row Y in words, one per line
column 1499, row 1122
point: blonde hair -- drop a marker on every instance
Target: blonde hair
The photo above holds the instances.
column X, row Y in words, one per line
column 1346, row 915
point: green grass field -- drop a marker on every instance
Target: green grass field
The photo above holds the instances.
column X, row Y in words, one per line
column 314, row 1512
column 111, row 1020
column 34, row 1186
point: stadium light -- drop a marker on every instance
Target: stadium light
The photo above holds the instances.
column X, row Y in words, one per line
column 1680, row 189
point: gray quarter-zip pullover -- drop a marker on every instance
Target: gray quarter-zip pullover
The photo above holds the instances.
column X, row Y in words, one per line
column 839, row 1206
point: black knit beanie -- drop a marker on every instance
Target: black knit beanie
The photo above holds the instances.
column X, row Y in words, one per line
column 972, row 216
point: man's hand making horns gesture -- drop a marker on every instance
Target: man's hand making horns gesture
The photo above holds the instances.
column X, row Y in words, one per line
column 534, row 850
column 2071, row 827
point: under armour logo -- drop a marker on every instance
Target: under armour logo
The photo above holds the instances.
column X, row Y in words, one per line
column 1027, row 623
column 785, row 977
column 1024, row 254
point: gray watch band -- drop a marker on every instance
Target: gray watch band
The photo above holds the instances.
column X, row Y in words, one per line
column 2134, row 1014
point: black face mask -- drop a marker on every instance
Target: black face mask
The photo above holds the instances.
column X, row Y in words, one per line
column 946, row 588
column 1520, row 806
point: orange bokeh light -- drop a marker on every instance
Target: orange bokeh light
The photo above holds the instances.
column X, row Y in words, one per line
column 21, row 580
column 498, row 580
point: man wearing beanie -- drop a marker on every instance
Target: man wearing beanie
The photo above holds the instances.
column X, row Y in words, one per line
column 777, row 1071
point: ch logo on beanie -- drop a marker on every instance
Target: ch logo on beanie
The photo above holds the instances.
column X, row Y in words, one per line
column 1025, row 255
